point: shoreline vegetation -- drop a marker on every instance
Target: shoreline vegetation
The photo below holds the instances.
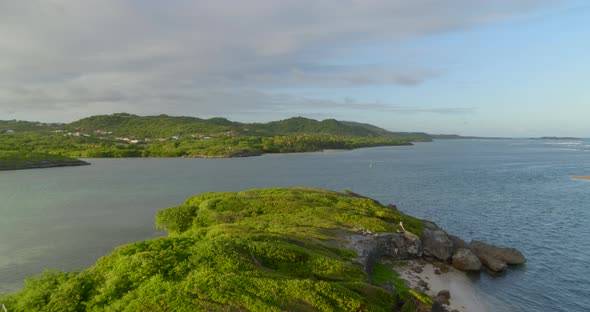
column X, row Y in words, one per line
column 276, row 249
column 125, row 135
column 19, row 160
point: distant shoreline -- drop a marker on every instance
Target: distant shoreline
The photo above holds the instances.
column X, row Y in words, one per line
column 587, row 178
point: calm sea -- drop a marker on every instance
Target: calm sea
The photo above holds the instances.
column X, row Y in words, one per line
column 507, row 192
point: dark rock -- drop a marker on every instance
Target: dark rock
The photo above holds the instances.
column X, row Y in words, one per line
column 444, row 293
column 417, row 269
column 437, row 272
column 466, row 260
column 508, row 255
column 423, row 285
column 395, row 246
column 437, row 243
column 458, row 242
column 442, row 300
column 392, row 206
column 437, row 307
column 430, row 225
column 244, row 153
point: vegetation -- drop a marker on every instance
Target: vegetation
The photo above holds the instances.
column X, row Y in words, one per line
column 125, row 135
column 260, row 250
column 10, row 160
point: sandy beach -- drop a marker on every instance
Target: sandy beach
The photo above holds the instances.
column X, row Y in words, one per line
column 581, row 177
column 464, row 297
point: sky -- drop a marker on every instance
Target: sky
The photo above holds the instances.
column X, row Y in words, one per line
column 473, row 67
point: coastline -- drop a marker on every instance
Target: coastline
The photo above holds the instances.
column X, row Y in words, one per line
column 6, row 165
column 463, row 295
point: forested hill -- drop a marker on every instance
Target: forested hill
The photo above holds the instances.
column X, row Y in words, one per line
column 166, row 126
column 126, row 135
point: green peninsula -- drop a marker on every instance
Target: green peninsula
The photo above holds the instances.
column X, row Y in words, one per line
column 13, row 160
column 126, row 135
column 279, row 249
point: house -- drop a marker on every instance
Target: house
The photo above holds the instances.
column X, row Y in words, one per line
column 9, row 131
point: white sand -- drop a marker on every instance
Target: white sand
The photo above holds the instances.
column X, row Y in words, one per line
column 463, row 296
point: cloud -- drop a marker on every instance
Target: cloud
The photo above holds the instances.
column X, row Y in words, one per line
column 203, row 56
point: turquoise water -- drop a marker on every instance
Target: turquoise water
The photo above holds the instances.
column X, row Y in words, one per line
column 508, row 192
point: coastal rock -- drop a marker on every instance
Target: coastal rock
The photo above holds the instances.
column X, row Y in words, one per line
column 437, row 243
column 444, row 293
column 492, row 263
column 458, row 242
column 465, row 260
column 437, row 307
column 395, row 246
column 508, row 255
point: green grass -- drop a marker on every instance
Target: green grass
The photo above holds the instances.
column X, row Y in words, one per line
column 260, row 250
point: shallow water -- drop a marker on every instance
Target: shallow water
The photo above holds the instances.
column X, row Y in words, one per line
column 508, row 192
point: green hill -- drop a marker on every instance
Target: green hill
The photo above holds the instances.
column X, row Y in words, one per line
column 165, row 126
column 126, row 135
column 19, row 125
column 152, row 126
column 278, row 249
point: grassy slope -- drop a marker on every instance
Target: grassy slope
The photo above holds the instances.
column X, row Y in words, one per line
column 260, row 250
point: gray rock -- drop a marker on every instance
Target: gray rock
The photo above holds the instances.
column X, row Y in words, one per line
column 442, row 300
column 508, row 255
column 437, row 243
column 444, row 293
column 458, row 242
column 395, row 246
column 437, row 307
column 465, row 260
column 492, row 263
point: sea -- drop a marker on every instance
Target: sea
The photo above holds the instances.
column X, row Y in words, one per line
column 518, row 193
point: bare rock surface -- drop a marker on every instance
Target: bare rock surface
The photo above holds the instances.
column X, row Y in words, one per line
column 508, row 255
column 465, row 260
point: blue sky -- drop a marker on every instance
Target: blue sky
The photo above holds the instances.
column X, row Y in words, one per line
column 490, row 68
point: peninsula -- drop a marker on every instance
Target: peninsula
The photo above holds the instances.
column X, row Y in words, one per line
column 13, row 160
column 277, row 249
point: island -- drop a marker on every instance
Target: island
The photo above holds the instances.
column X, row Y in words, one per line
column 276, row 249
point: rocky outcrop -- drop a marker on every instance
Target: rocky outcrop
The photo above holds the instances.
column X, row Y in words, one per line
column 465, row 260
column 458, row 243
column 508, row 255
column 370, row 247
column 437, row 244
column 496, row 258
column 466, row 257
column 492, row 263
